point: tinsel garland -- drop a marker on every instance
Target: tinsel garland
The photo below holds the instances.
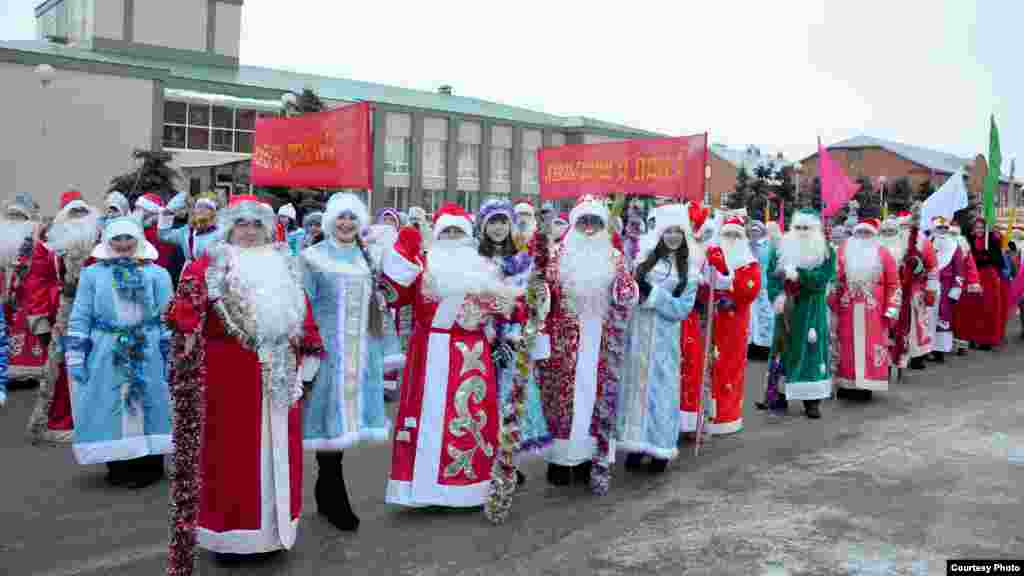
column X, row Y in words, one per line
column 503, row 469
column 609, row 369
column 21, row 267
column 187, row 382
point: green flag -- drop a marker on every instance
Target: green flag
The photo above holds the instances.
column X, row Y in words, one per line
column 995, row 161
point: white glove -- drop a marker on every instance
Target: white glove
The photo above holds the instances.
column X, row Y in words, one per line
column 3, row 398
column 541, row 347
column 791, row 274
column 892, row 313
column 954, row 293
column 812, row 336
column 165, row 221
column 780, row 304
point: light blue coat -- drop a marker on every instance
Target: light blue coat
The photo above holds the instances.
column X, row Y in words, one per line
column 121, row 409
column 296, row 238
column 346, row 403
column 180, row 237
column 762, row 313
column 648, row 416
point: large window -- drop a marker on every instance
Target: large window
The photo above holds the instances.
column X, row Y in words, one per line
column 207, row 127
column 469, row 161
column 397, row 155
column 501, row 164
column 530, row 167
column 435, row 158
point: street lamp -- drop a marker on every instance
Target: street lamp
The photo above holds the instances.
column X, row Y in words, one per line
column 46, row 74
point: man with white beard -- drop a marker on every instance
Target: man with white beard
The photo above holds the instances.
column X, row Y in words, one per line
column 51, row 285
column 592, row 297
column 952, row 274
column 18, row 227
column 866, row 301
column 798, row 278
column 911, row 337
column 245, row 346
column 735, row 293
column 446, row 425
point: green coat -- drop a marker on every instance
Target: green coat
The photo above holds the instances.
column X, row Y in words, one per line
column 806, row 364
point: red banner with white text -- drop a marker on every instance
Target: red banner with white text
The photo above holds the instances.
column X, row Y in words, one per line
column 324, row 149
column 669, row 167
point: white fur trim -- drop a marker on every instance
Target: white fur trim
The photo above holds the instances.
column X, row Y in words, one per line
column 73, row 205
column 345, row 203
column 688, row 421
column 148, row 205
column 122, row 449
column 649, row 449
column 373, row 435
column 816, row 390
column 242, row 541
column 393, row 362
column 717, row 428
column 589, row 208
column 865, row 226
column 122, row 226
column 523, row 207
column 448, row 221
column 468, row 496
column 145, row 251
column 287, row 210
column 396, row 267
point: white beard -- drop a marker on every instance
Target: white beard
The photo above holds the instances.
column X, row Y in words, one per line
column 74, row 236
column 803, row 250
column 737, row 253
column 586, row 269
column 261, row 277
column 897, row 246
column 862, row 262
column 944, row 248
column 12, row 237
column 454, row 268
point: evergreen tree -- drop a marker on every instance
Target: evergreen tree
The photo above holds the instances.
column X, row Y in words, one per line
column 152, row 176
column 924, row 190
column 739, row 197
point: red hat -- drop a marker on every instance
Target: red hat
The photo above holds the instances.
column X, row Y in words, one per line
column 563, row 216
column 242, row 198
column 698, row 215
column 451, row 214
column 69, row 197
column 735, row 224
column 871, row 224
column 150, row 203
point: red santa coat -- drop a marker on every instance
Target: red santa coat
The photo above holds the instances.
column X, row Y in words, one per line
column 165, row 251
column 47, row 311
column 961, row 310
column 249, row 452
column 446, row 429
column 691, row 340
column 731, row 329
column 27, row 355
column 912, row 335
column 984, row 321
column 862, row 328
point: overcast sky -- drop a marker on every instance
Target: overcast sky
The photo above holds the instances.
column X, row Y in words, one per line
column 776, row 74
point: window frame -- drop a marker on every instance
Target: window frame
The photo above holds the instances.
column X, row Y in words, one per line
column 211, row 128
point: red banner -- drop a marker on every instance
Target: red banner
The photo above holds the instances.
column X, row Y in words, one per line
column 324, row 149
column 670, row 167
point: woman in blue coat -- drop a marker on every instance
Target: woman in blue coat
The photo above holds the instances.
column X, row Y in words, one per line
column 116, row 348
column 345, row 405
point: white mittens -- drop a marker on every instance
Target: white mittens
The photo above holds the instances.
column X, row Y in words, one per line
column 780, row 304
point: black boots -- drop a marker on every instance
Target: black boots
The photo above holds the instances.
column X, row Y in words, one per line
column 917, row 363
column 137, row 472
column 811, row 409
column 581, row 472
column 331, row 494
column 559, row 475
column 634, row 460
column 939, row 357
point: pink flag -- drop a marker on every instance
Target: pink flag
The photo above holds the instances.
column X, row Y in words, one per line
column 836, row 186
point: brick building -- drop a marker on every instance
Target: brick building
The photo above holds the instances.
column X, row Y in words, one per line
column 874, row 157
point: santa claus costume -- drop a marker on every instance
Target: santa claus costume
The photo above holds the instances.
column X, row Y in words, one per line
column 18, row 230
column 244, row 345
column 116, row 352
column 648, row 415
column 592, row 297
column 951, row 268
column 798, row 279
column 148, row 208
column 735, row 293
column 51, row 285
column 985, row 314
column 345, row 406
column 115, row 206
column 446, row 432
column 915, row 256
column 691, row 334
column 866, row 300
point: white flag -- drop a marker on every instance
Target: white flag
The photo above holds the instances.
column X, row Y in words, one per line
column 945, row 201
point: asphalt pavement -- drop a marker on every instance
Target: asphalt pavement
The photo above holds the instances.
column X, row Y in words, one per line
column 930, row 470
